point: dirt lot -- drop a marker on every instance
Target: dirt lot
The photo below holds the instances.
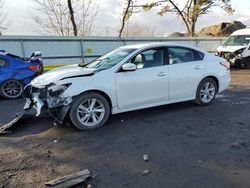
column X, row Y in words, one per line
column 188, row 146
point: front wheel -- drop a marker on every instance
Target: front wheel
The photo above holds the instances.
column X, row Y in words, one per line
column 89, row 111
column 206, row 91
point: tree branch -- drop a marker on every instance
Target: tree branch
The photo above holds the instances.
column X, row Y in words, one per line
column 72, row 17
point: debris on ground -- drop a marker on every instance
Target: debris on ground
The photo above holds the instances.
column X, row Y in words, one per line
column 69, row 180
column 15, row 119
column 200, row 161
column 235, row 146
column 235, row 172
column 145, row 172
column 145, row 157
column 238, row 145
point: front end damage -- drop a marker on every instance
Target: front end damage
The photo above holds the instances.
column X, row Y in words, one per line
column 47, row 93
column 234, row 58
column 48, row 98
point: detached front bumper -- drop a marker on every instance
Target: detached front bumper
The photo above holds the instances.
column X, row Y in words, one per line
column 48, row 100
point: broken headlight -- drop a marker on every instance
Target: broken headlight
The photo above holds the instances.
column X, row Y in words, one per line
column 55, row 90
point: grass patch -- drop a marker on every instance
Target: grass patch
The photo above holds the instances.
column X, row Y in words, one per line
column 50, row 67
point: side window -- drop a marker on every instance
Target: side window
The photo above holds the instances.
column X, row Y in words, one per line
column 180, row 55
column 198, row 55
column 3, row 62
column 149, row 58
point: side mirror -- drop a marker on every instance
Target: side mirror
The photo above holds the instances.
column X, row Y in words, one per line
column 129, row 67
column 36, row 55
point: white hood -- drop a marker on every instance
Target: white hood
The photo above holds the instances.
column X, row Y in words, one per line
column 230, row 49
column 60, row 73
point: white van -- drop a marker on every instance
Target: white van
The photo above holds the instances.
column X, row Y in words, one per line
column 236, row 48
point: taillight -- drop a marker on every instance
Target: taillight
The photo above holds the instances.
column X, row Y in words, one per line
column 225, row 64
column 34, row 67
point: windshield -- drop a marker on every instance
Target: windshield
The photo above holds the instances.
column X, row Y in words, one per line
column 237, row 40
column 108, row 60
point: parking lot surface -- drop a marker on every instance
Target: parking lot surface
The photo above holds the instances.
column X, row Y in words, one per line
column 188, row 146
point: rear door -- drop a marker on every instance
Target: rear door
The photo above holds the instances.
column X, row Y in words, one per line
column 186, row 69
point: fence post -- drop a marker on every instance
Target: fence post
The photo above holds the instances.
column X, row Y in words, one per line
column 82, row 50
column 196, row 42
column 22, row 47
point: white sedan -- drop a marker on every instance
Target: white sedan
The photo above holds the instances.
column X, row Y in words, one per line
column 128, row 78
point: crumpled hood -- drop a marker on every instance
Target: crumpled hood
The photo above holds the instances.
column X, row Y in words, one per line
column 60, row 73
column 230, row 49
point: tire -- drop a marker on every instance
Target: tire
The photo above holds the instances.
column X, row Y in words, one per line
column 40, row 71
column 89, row 111
column 11, row 89
column 206, row 92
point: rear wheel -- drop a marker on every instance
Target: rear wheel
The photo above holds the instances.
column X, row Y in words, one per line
column 206, row 91
column 90, row 111
column 11, row 89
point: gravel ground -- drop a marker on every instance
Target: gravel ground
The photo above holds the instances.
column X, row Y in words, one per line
column 188, row 146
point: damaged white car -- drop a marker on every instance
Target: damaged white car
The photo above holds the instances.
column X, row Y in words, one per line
column 236, row 49
column 128, row 78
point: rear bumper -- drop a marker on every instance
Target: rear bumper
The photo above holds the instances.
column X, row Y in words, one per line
column 27, row 80
column 224, row 81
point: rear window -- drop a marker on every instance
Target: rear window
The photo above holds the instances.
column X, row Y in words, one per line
column 199, row 56
column 13, row 56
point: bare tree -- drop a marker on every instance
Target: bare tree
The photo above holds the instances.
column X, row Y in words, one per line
column 86, row 14
column 138, row 30
column 65, row 17
column 72, row 17
column 128, row 11
column 2, row 17
column 189, row 10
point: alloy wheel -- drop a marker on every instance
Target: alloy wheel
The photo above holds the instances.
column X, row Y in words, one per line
column 12, row 89
column 91, row 112
column 207, row 92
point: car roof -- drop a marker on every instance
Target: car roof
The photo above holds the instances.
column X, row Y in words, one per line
column 245, row 31
column 160, row 44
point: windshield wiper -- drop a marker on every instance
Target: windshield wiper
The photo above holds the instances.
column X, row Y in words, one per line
column 82, row 64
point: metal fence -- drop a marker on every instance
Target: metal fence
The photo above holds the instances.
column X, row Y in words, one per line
column 69, row 50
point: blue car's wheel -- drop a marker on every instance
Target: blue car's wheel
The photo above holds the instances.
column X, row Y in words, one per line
column 11, row 89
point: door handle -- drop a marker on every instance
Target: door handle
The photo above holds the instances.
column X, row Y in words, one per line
column 162, row 74
column 198, row 67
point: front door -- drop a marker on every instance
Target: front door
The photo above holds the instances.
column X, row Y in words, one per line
column 147, row 85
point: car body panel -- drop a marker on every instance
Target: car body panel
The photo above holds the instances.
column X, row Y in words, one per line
column 61, row 73
column 144, row 86
column 179, row 85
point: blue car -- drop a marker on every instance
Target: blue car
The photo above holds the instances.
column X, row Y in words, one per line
column 17, row 72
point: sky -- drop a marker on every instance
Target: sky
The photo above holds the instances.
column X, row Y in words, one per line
column 20, row 22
